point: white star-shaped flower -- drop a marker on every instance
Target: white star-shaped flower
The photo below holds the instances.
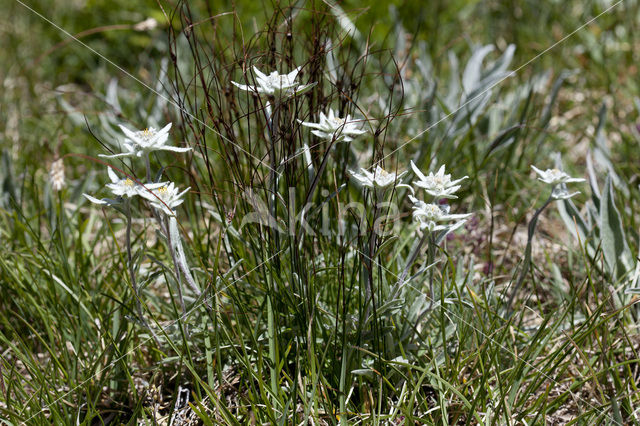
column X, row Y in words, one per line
column 165, row 198
column 380, row 178
column 121, row 188
column 141, row 142
column 275, row 84
column 555, row 176
column 333, row 127
column 429, row 216
column 439, row 184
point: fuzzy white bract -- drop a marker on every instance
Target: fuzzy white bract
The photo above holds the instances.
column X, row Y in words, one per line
column 555, row 176
column 166, row 198
column 332, row 127
column 275, row 84
column 430, row 215
column 142, row 142
column 437, row 184
column 380, row 178
column 122, row 188
column 560, row 193
column 56, row 175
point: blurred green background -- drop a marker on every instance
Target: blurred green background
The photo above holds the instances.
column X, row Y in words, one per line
column 36, row 57
column 532, row 25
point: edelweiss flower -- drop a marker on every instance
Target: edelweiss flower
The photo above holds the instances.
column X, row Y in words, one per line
column 121, row 188
column 146, row 25
column 558, row 179
column 439, row 184
column 56, row 175
column 166, row 198
column 144, row 141
column 333, row 127
column 380, row 178
column 275, row 84
column 555, row 176
column 429, row 215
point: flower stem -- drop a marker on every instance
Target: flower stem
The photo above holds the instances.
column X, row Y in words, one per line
column 132, row 275
column 272, row 127
column 273, row 356
column 147, row 163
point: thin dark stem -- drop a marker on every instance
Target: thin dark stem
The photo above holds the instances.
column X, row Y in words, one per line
column 431, row 254
column 368, row 262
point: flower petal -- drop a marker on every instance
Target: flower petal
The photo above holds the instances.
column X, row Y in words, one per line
column 259, row 73
column 130, row 134
column 310, row 124
column 124, row 154
column 112, row 175
column 165, row 129
column 417, row 171
column 173, row 148
column 537, row 170
column 94, row 199
column 294, row 74
column 244, row 87
column 321, row 134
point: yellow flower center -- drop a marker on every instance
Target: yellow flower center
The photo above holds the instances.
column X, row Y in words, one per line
column 434, row 210
column 163, row 191
column 556, row 174
column 128, row 182
column 146, row 134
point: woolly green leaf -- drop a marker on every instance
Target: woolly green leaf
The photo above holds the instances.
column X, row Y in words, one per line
column 572, row 220
column 614, row 244
column 366, row 372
